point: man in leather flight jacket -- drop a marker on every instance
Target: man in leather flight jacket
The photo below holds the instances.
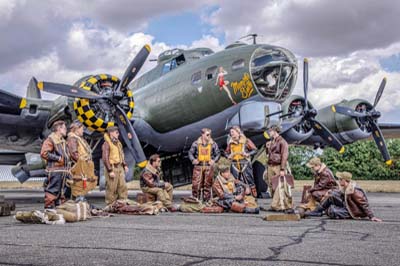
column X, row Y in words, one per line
column 54, row 151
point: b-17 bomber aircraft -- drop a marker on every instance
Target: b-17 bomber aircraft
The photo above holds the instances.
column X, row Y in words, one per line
column 163, row 110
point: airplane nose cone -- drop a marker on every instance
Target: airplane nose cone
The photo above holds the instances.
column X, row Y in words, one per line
column 274, row 72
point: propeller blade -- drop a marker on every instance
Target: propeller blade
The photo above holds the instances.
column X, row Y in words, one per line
column 130, row 138
column 305, row 82
column 322, row 131
column 380, row 141
column 67, row 90
column 134, row 67
column 346, row 111
column 380, row 92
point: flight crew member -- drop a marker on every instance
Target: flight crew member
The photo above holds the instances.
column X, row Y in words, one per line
column 350, row 201
column 230, row 193
column 115, row 166
column 239, row 151
column 150, row 182
column 278, row 152
column 80, row 152
column 54, row 151
column 323, row 179
column 203, row 154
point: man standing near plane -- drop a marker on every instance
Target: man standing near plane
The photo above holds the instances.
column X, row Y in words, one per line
column 203, row 153
column 115, row 166
column 239, row 151
column 80, row 152
column 278, row 152
column 54, row 151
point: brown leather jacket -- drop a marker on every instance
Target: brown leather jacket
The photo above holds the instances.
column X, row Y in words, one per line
column 73, row 143
column 278, row 152
column 106, row 157
column 357, row 202
column 54, row 151
column 323, row 180
column 150, row 177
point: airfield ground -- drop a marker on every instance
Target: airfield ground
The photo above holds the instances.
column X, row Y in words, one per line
column 199, row 239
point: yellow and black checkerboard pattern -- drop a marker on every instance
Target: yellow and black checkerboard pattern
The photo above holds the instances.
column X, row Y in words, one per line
column 85, row 113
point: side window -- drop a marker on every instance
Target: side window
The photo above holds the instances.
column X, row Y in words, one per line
column 238, row 64
column 211, row 72
column 196, row 77
column 166, row 68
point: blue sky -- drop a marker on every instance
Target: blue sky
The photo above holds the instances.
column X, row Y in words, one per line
column 178, row 29
column 391, row 63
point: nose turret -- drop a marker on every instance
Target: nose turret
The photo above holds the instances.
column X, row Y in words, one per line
column 274, row 72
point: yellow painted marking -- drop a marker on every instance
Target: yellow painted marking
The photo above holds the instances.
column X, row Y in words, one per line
column 99, row 122
column 75, row 105
column 114, row 78
column 129, row 115
column 92, row 80
column 384, row 78
column 84, row 102
column 80, row 110
column 142, row 164
column 100, row 129
column 377, row 133
column 129, row 93
column 245, row 86
column 23, row 103
column 389, row 162
column 306, row 60
column 40, row 85
column 342, row 150
column 103, row 76
column 110, row 124
column 266, row 135
column 86, row 88
column 82, row 84
column 80, row 119
column 131, row 104
column 147, row 48
column 88, row 123
column 333, row 109
column 89, row 113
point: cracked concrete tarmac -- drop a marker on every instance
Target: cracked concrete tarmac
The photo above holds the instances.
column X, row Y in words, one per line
column 202, row 239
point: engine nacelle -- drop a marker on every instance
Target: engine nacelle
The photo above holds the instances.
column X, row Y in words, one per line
column 295, row 105
column 346, row 128
column 97, row 115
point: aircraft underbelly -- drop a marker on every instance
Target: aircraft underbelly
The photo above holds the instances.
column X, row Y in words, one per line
column 180, row 139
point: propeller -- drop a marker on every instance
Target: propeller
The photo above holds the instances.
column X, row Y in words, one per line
column 67, row 90
column 134, row 67
column 368, row 118
column 308, row 116
column 125, row 127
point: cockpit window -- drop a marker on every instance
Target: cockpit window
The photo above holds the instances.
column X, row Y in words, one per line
column 238, row 64
column 174, row 63
column 211, row 72
column 196, row 78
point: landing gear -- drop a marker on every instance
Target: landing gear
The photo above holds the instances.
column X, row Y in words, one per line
column 261, row 186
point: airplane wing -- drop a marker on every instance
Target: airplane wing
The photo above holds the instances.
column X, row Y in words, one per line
column 390, row 130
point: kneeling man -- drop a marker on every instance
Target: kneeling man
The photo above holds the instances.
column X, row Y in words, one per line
column 150, row 183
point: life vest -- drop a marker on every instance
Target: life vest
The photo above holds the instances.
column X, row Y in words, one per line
column 237, row 149
column 84, row 150
column 204, row 152
column 116, row 151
